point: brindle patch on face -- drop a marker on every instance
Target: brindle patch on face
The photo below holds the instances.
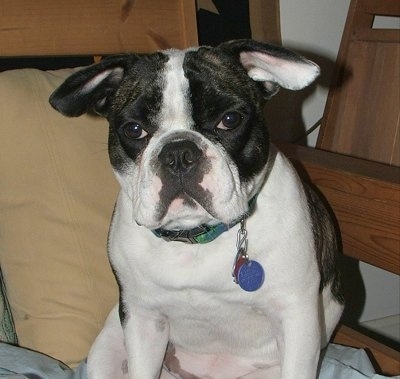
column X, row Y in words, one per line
column 138, row 99
column 219, row 84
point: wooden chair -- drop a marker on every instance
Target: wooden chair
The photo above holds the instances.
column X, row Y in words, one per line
column 364, row 196
column 359, row 175
column 362, row 113
column 68, row 28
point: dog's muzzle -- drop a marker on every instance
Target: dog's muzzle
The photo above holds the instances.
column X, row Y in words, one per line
column 182, row 166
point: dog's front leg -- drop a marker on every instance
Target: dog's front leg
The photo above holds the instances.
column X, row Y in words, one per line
column 300, row 342
column 146, row 339
column 107, row 357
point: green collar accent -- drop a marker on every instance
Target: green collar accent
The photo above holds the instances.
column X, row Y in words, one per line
column 203, row 233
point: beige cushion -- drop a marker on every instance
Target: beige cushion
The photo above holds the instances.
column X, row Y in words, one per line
column 57, row 193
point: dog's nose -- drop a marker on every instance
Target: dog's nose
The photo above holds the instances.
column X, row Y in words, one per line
column 179, row 157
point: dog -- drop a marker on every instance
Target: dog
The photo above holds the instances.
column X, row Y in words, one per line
column 226, row 263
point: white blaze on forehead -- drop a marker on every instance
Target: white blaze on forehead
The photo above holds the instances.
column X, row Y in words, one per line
column 176, row 107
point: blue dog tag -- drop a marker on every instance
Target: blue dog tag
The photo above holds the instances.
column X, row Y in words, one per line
column 250, row 276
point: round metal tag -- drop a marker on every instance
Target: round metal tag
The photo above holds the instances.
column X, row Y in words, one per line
column 250, row 276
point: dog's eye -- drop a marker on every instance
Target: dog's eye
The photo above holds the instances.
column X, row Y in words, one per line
column 133, row 130
column 230, row 120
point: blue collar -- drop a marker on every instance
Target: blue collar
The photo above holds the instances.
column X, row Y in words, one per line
column 203, row 233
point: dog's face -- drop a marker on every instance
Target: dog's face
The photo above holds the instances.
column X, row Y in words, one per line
column 190, row 141
column 187, row 141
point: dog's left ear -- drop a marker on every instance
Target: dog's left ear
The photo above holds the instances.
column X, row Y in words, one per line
column 273, row 65
column 89, row 89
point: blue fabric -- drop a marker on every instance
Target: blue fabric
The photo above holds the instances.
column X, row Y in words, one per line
column 342, row 362
column 17, row 363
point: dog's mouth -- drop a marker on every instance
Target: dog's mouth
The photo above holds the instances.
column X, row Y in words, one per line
column 188, row 209
column 183, row 198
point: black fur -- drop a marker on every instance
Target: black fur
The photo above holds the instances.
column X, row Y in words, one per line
column 217, row 86
column 326, row 243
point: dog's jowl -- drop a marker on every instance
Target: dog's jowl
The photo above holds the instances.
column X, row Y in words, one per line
column 225, row 261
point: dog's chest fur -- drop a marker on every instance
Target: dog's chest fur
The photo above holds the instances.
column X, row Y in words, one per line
column 192, row 286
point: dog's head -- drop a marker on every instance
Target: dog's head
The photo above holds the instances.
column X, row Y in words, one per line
column 187, row 141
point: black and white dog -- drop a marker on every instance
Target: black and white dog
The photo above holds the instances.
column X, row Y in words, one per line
column 226, row 263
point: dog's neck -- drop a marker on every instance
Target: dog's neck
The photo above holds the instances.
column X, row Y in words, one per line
column 203, row 233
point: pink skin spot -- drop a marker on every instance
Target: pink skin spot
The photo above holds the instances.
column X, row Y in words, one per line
column 210, row 154
column 176, row 204
column 207, row 182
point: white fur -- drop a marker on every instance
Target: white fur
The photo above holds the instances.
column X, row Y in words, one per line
column 176, row 109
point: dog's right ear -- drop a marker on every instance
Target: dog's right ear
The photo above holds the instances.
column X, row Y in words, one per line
column 90, row 88
column 274, row 66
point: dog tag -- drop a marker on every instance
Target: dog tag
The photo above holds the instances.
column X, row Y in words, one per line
column 247, row 273
column 250, row 276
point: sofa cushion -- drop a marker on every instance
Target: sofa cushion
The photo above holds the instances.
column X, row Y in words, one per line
column 57, row 193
